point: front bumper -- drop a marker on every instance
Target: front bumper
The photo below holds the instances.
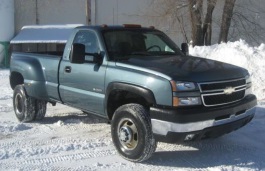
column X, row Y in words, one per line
column 172, row 125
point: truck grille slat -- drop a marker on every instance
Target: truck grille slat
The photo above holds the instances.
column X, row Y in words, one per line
column 221, row 85
column 223, row 98
column 214, row 94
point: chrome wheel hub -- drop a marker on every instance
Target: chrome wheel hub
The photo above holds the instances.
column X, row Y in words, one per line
column 19, row 104
column 127, row 134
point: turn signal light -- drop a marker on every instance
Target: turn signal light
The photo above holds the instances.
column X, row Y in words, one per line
column 186, row 101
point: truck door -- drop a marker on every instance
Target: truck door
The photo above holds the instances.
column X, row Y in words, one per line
column 82, row 85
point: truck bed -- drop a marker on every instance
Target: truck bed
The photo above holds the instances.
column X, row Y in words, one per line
column 49, row 65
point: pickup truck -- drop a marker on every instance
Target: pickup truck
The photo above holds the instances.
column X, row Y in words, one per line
column 141, row 81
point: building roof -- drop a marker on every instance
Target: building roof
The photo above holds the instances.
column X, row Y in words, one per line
column 44, row 34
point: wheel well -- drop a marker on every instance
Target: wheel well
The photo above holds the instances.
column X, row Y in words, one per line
column 16, row 79
column 118, row 98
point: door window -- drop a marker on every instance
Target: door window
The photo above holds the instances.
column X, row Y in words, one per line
column 89, row 39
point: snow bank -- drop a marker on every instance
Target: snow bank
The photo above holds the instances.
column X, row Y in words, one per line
column 241, row 54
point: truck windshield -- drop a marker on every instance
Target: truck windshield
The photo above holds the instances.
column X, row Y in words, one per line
column 125, row 44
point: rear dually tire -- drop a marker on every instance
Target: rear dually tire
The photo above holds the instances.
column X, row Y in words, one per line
column 24, row 106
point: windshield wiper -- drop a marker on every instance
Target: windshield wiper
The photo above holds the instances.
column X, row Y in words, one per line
column 140, row 53
column 166, row 53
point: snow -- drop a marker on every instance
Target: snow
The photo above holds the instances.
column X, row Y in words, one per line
column 68, row 139
column 71, row 26
column 44, row 34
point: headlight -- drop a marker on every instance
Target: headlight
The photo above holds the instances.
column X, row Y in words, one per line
column 186, row 101
column 182, row 86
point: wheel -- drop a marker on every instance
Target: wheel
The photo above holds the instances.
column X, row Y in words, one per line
column 24, row 106
column 40, row 108
column 132, row 134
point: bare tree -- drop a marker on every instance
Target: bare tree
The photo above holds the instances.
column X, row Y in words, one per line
column 248, row 25
column 195, row 8
column 201, row 28
column 226, row 20
column 235, row 19
column 171, row 16
column 182, row 28
column 207, row 24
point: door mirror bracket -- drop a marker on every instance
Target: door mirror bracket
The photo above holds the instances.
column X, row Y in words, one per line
column 185, row 48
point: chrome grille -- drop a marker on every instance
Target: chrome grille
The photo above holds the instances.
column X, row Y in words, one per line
column 222, row 92
column 206, row 87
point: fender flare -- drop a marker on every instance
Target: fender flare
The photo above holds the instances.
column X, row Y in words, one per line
column 141, row 91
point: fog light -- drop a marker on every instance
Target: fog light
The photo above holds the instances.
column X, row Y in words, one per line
column 189, row 137
column 189, row 101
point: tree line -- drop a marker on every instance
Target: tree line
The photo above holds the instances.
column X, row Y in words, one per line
column 200, row 16
column 202, row 25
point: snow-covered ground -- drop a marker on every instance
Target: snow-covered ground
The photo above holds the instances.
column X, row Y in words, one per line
column 67, row 139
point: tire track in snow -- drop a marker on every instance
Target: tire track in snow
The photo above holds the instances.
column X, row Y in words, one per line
column 6, row 97
column 52, row 141
column 30, row 149
column 88, row 127
column 5, row 108
column 45, row 161
column 70, row 157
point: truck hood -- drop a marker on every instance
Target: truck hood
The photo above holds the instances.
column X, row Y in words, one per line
column 187, row 68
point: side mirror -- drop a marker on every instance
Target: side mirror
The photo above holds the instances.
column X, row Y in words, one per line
column 77, row 55
column 185, row 48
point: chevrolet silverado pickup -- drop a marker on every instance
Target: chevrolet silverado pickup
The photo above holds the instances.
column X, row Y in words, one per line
column 140, row 80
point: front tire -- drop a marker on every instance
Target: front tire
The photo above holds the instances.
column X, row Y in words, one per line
column 24, row 106
column 132, row 134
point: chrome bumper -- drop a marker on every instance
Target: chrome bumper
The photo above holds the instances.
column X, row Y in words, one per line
column 163, row 127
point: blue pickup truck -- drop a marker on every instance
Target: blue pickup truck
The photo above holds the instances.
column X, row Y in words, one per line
column 137, row 78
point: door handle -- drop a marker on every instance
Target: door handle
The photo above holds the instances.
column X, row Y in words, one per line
column 67, row 69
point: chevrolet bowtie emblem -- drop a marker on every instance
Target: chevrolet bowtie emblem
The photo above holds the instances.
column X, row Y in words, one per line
column 229, row 90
